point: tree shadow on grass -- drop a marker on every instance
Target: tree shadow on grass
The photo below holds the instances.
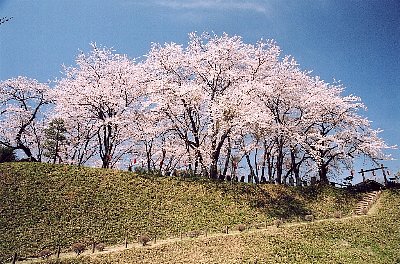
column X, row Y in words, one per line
column 275, row 203
column 286, row 207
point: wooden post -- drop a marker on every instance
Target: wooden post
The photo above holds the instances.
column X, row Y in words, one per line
column 93, row 246
column 363, row 175
column 126, row 242
column 291, row 181
column 250, row 178
column 14, row 258
column 155, row 239
column 58, row 251
column 384, row 174
column 227, row 229
column 313, row 180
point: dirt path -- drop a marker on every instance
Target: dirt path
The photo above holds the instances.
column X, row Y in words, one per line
column 270, row 229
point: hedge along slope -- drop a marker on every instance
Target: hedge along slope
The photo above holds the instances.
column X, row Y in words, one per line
column 42, row 205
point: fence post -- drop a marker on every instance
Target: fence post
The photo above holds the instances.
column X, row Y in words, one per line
column 362, row 174
column 313, row 180
column 58, row 251
column 126, row 242
column 227, row 229
column 93, row 246
column 155, row 239
column 384, row 174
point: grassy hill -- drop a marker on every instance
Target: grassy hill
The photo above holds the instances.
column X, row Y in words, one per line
column 43, row 205
column 364, row 239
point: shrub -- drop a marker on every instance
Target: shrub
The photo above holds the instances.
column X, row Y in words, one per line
column 140, row 170
column 100, row 246
column 7, row 154
column 44, row 254
column 144, row 239
column 338, row 214
column 193, row 234
column 309, row 218
column 78, row 248
column 278, row 222
column 259, row 225
column 241, row 227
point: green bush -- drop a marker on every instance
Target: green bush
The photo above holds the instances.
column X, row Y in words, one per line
column 45, row 253
column 241, row 227
column 7, row 154
column 78, row 248
column 100, row 246
column 144, row 239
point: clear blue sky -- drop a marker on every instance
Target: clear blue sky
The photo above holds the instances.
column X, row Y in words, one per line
column 357, row 42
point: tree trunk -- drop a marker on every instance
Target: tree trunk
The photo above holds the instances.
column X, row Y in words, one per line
column 279, row 167
column 214, row 157
column 214, row 169
column 295, row 168
column 56, row 149
column 255, row 171
column 323, row 174
column 216, row 151
column 250, row 166
column 106, row 146
column 228, row 155
column 264, row 161
column 279, row 161
column 270, row 164
column 148, row 156
column 27, row 151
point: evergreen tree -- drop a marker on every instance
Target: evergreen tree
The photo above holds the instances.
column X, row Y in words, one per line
column 7, row 154
column 55, row 138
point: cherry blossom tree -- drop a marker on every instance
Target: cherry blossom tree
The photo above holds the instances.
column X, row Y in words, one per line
column 214, row 107
column 98, row 101
column 203, row 90
column 302, row 118
column 22, row 115
column 336, row 134
column 225, row 98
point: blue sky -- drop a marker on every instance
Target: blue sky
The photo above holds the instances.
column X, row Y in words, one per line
column 357, row 42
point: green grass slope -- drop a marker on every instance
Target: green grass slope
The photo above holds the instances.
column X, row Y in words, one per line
column 374, row 238
column 43, row 205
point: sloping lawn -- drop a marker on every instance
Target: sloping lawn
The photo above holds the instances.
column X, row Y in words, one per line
column 368, row 239
column 43, row 205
